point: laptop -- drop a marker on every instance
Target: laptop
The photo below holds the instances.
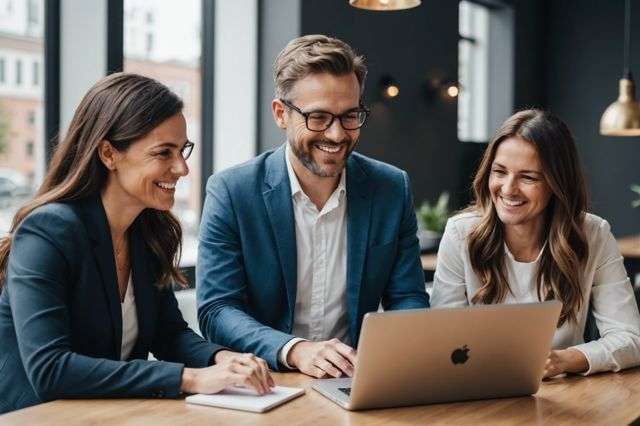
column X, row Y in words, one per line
column 420, row 356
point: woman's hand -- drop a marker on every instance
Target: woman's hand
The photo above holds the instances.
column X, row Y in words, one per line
column 565, row 361
column 230, row 369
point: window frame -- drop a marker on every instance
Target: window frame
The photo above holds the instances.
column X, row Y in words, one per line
column 51, row 77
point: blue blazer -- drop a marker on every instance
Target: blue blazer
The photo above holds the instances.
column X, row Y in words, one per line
column 60, row 317
column 246, row 271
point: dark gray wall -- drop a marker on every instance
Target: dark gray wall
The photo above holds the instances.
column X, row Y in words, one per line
column 410, row 132
column 584, row 63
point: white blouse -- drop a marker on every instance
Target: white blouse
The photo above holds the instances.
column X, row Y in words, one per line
column 129, row 321
column 604, row 282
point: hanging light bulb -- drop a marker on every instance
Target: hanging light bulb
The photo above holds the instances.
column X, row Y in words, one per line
column 381, row 5
column 622, row 118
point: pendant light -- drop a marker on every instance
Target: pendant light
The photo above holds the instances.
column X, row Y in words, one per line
column 622, row 118
column 382, row 5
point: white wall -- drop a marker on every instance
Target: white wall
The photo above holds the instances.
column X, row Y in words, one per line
column 235, row 87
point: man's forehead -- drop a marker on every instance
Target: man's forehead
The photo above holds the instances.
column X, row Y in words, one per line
column 324, row 90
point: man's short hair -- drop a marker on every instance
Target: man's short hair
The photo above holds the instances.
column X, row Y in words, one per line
column 313, row 54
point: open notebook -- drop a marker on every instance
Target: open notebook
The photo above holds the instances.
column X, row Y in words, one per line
column 246, row 399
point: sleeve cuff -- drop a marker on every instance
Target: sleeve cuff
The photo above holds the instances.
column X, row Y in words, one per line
column 597, row 362
column 284, row 351
column 212, row 358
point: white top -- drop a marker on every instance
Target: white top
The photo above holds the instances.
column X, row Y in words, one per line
column 129, row 321
column 604, row 282
column 321, row 242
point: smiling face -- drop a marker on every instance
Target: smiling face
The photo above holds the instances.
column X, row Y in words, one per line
column 145, row 175
column 324, row 153
column 517, row 185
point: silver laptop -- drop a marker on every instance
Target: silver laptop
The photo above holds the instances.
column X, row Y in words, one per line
column 423, row 356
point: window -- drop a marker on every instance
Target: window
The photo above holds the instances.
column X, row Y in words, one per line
column 162, row 40
column 485, row 68
column 149, row 45
column 33, row 13
column 22, row 153
column 18, row 72
column 36, row 73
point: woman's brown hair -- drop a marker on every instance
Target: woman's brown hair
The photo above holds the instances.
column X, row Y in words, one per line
column 566, row 249
column 120, row 108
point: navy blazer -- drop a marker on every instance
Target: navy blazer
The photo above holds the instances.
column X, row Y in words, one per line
column 247, row 262
column 61, row 321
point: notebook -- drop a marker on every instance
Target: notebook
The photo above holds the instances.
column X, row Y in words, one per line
column 246, row 399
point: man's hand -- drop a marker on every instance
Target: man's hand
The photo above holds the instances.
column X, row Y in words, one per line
column 330, row 358
column 565, row 361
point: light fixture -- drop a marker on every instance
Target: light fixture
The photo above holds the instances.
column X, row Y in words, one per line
column 452, row 90
column 388, row 87
column 382, row 5
column 446, row 89
column 622, row 118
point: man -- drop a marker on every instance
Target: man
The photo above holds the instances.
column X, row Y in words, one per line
column 299, row 243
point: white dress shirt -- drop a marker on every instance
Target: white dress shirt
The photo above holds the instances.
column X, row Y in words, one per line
column 129, row 321
column 604, row 282
column 321, row 247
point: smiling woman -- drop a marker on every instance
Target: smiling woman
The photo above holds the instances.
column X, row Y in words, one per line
column 528, row 237
column 90, row 263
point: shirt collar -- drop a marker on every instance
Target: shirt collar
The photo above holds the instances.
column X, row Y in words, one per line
column 295, row 183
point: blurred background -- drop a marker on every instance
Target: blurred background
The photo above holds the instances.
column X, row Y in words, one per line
column 442, row 77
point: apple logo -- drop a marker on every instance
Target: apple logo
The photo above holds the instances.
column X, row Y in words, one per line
column 460, row 355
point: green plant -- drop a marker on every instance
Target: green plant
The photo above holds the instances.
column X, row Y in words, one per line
column 635, row 188
column 434, row 217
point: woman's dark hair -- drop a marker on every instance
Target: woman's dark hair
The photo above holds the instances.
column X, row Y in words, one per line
column 120, row 108
column 566, row 251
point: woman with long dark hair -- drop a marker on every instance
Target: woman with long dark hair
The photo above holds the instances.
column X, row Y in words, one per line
column 89, row 263
column 528, row 237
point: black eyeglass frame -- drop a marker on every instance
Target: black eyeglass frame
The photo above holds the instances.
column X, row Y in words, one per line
column 360, row 109
column 188, row 148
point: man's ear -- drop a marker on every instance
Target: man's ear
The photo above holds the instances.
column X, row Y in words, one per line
column 278, row 110
column 108, row 154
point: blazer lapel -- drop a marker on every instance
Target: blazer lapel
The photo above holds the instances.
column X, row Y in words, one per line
column 358, row 218
column 277, row 200
column 98, row 230
column 143, row 281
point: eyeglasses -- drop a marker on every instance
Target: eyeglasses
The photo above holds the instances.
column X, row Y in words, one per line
column 319, row 121
column 187, row 149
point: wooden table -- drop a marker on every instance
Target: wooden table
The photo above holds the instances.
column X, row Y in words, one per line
column 629, row 246
column 611, row 398
column 429, row 262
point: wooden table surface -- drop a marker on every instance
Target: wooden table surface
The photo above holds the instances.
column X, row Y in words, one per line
column 610, row 398
column 629, row 248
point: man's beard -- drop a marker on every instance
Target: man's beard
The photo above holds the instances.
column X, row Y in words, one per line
column 306, row 158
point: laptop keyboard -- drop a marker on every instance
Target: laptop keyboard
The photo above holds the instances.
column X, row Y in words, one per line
column 345, row 390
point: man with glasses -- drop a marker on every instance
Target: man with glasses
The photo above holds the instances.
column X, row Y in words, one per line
column 299, row 243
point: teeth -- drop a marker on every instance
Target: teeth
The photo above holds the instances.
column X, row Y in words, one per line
column 511, row 203
column 164, row 185
column 328, row 148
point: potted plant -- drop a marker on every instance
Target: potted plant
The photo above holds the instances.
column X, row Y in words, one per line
column 432, row 219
